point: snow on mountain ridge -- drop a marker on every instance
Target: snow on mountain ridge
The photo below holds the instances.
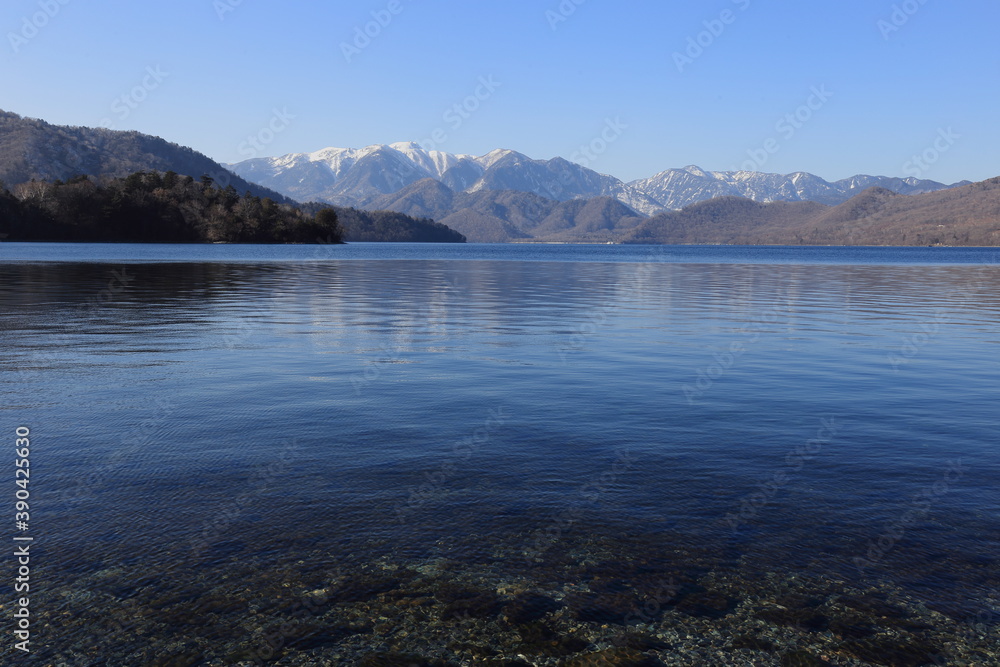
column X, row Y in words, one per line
column 494, row 156
column 345, row 175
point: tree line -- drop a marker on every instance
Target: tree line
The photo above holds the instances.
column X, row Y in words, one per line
column 388, row 226
column 154, row 207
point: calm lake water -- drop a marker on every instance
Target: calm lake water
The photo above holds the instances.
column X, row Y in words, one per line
column 506, row 455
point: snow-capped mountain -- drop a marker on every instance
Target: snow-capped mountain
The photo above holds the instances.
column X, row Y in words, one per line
column 353, row 177
column 347, row 176
column 678, row 188
column 344, row 175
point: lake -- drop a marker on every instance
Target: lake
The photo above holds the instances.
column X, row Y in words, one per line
column 386, row 454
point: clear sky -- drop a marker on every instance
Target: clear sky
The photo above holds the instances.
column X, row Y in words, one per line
column 887, row 80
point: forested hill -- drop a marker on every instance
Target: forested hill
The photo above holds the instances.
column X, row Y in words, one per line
column 150, row 207
column 80, row 183
column 33, row 149
column 388, row 226
column 153, row 207
column 964, row 216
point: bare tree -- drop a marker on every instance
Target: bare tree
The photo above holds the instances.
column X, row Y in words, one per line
column 36, row 191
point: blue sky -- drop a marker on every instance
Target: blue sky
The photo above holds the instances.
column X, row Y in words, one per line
column 869, row 84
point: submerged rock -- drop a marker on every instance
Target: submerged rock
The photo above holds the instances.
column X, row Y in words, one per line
column 389, row 659
column 309, row 636
column 541, row 639
column 897, row 653
column 188, row 659
column 529, row 607
column 613, row 657
column 449, row 592
column 486, row 605
column 754, row 643
column 852, row 627
column 362, row 588
column 706, row 604
column 607, row 608
column 801, row 619
column 802, row 659
column 640, row 642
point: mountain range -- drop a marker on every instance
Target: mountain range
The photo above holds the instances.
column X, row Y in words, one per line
column 968, row 215
column 32, row 149
column 505, row 195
